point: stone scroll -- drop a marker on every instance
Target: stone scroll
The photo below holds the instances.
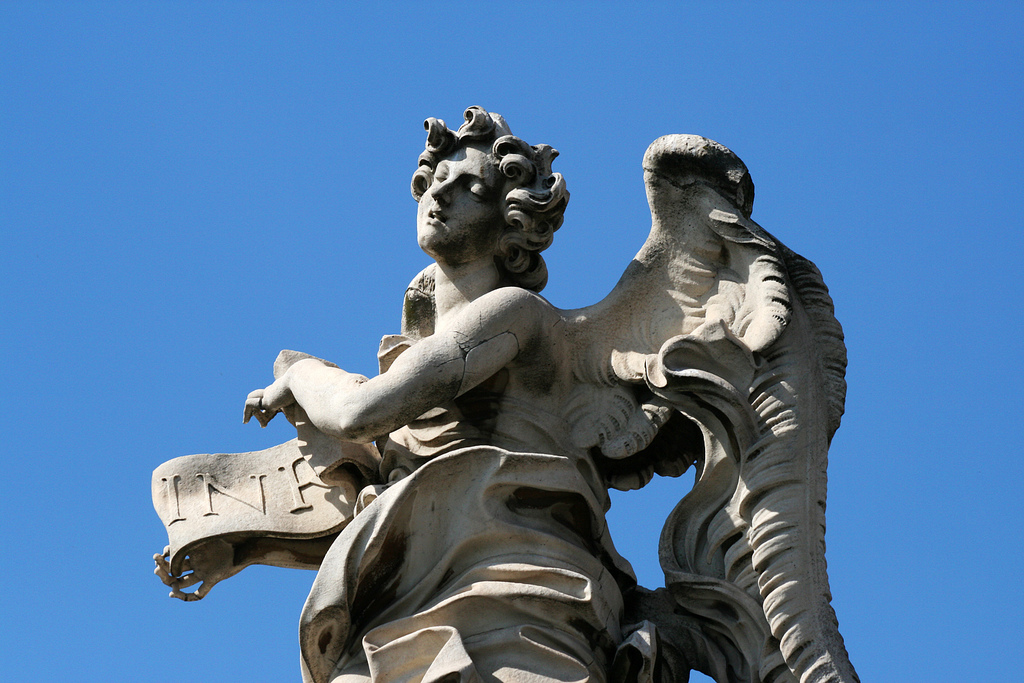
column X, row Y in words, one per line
column 280, row 492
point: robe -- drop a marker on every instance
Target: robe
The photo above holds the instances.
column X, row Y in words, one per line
column 481, row 564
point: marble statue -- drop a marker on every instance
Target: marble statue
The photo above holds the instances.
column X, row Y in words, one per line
column 454, row 505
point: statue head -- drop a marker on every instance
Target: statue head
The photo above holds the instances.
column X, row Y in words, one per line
column 531, row 199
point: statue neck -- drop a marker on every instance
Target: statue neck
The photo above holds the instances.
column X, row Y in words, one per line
column 456, row 286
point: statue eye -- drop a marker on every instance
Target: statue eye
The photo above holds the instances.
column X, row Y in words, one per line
column 441, row 174
column 478, row 190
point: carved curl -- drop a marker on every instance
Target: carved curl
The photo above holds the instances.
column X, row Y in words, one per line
column 535, row 198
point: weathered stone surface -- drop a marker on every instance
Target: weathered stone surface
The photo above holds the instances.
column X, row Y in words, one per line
column 473, row 545
column 269, row 492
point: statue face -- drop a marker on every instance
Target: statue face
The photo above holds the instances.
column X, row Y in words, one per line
column 460, row 214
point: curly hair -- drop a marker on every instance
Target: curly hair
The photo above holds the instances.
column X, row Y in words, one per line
column 533, row 206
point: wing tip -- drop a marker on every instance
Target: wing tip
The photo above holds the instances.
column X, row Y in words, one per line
column 701, row 159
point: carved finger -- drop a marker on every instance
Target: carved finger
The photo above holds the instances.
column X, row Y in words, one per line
column 187, row 581
column 203, row 590
column 253, row 402
column 163, row 571
column 197, row 594
column 265, row 416
column 163, row 566
column 255, row 406
column 187, row 597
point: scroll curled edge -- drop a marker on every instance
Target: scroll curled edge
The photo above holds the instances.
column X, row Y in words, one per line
column 302, row 489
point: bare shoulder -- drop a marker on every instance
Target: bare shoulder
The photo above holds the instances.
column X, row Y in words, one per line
column 507, row 309
column 516, row 303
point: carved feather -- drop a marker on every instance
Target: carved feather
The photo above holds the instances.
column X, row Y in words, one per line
column 737, row 333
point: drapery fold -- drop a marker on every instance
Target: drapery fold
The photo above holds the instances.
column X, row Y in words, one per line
column 482, row 565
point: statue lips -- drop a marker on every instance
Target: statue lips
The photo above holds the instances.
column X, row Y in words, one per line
column 433, row 228
column 436, row 218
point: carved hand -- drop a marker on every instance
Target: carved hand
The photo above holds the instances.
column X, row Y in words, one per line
column 208, row 563
column 264, row 404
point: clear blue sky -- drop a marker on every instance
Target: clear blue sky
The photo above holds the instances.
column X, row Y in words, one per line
column 187, row 188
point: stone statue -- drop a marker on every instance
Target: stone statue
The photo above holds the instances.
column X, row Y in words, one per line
column 469, row 543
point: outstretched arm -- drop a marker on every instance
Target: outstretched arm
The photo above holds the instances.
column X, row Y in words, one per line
column 485, row 337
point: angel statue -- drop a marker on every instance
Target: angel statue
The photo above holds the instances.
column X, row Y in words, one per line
column 470, row 543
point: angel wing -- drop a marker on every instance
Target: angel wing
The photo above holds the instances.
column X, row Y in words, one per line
column 719, row 347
